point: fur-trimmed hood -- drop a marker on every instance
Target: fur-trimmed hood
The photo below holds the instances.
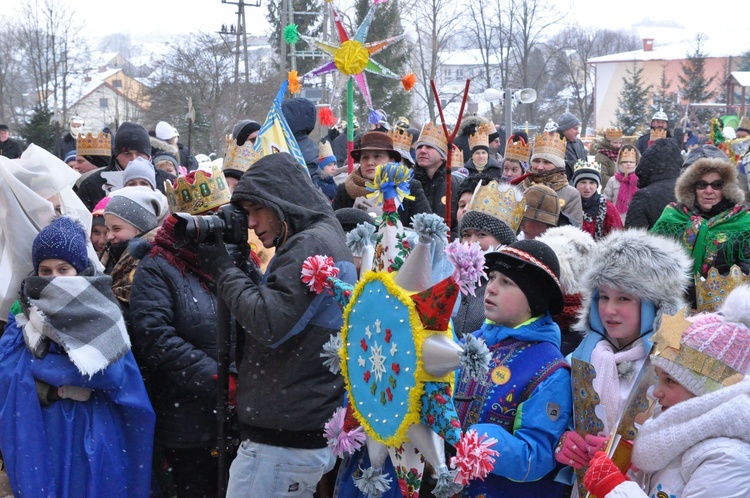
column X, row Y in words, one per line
column 684, row 189
column 653, row 268
column 160, row 145
column 469, row 124
column 573, row 248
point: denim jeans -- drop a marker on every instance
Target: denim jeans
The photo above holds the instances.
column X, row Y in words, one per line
column 260, row 470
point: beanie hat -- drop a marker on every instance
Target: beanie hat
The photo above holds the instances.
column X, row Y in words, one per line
column 583, row 170
column 542, row 204
column 98, row 212
column 139, row 206
column 62, row 239
column 165, row 131
column 489, row 224
column 534, row 268
column 701, row 151
column 139, row 168
column 131, row 136
column 165, row 156
column 70, row 156
column 4, row 127
column 567, row 121
column 711, row 350
column 243, row 129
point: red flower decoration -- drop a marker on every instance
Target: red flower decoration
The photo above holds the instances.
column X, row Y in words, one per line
column 440, row 399
column 395, row 367
column 388, row 335
column 363, row 344
column 316, row 270
column 430, row 419
column 367, row 376
column 388, row 393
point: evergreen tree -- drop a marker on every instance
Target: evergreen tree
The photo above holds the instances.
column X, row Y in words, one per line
column 694, row 85
column 665, row 100
column 38, row 130
column 307, row 24
column 632, row 104
column 387, row 94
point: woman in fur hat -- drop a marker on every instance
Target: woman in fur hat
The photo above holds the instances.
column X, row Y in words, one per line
column 632, row 278
column 709, row 218
column 697, row 443
column 620, row 188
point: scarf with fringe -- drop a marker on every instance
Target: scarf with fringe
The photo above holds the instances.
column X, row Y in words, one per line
column 628, row 187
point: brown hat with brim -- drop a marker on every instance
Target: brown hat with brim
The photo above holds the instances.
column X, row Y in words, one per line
column 379, row 141
column 542, row 204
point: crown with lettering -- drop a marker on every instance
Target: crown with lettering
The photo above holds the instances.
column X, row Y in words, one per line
column 457, row 157
column 657, row 134
column 433, row 136
column 518, row 151
column 613, row 133
column 90, row 145
column 712, row 290
column 549, row 142
column 402, row 139
column 502, row 201
column 240, row 158
column 198, row 192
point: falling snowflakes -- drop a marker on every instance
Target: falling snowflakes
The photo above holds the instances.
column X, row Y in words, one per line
column 377, row 360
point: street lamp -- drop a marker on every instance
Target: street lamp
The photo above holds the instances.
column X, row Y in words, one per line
column 522, row 96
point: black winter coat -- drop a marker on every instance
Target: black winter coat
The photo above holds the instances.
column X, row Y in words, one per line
column 10, row 149
column 405, row 213
column 91, row 192
column 66, row 143
column 573, row 152
column 173, row 331
column 657, row 173
column 434, row 190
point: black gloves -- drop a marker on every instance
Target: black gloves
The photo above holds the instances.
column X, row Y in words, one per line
column 215, row 259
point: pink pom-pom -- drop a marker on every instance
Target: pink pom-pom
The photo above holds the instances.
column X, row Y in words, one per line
column 341, row 441
column 469, row 262
column 474, row 457
column 316, row 270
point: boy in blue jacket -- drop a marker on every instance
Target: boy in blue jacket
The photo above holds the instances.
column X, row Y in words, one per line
column 525, row 400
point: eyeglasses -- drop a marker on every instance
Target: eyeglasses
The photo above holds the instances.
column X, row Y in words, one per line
column 715, row 185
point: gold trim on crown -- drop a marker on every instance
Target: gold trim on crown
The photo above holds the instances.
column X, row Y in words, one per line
column 241, row 158
column 612, row 133
column 549, row 142
column 479, row 138
column 206, row 192
column 657, row 134
column 629, row 154
column 713, row 290
column 502, row 201
column 433, row 135
column 517, row 151
column 581, row 164
column 89, row 145
column 402, row 139
column 457, row 157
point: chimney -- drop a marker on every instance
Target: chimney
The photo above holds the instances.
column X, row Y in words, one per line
column 648, row 44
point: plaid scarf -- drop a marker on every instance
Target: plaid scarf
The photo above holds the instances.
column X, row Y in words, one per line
column 80, row 314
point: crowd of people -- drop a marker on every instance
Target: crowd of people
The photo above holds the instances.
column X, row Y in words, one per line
column 600, row 264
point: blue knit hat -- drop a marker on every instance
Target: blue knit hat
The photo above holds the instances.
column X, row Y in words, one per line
column 62, row 239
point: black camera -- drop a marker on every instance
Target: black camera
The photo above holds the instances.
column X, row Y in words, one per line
column 228, row 224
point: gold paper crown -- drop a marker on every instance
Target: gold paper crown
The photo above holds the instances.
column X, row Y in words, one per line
column 324, row 150
column 433, row 135
column 518, row 151
column 714, row 289
column 206, row 192
column 89, row 145
column 668, row 345
column 457, row 157
column 502, row 201
column 550, row 143
column 629, row 154
column 402, row 139
column 479, row 138
column 657, row 134
column 241, row 158
column 581, row 164
column 613, row 133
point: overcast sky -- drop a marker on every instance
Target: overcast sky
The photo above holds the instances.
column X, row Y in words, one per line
column 179, row 16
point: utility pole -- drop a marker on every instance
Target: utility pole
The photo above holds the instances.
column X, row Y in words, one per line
column 282, row 48
column 240, row 36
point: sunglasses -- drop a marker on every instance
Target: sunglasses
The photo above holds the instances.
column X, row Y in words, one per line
column 703, row 185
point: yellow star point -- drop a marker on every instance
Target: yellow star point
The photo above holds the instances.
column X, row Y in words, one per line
column 670, row 331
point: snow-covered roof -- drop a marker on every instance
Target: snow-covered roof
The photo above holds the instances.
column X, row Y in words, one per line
column 678, row 51
column 742, row 77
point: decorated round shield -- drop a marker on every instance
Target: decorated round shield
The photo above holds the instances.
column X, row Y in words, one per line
column 381, row 340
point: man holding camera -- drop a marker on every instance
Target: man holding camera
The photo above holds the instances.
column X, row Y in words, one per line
column 285, row 394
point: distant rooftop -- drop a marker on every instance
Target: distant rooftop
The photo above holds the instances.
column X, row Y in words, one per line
column 677, row 51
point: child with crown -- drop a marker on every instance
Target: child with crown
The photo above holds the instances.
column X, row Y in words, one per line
column 619, row 190
column 606, row 154
column 599, row 215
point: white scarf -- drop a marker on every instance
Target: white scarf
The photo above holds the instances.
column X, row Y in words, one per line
column 607, row 380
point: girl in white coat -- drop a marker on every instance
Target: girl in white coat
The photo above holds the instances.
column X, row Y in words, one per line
column 698, row 443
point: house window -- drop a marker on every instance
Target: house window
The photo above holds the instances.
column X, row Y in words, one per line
column 117, row 83
column 459, row 72
column 103, row 103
